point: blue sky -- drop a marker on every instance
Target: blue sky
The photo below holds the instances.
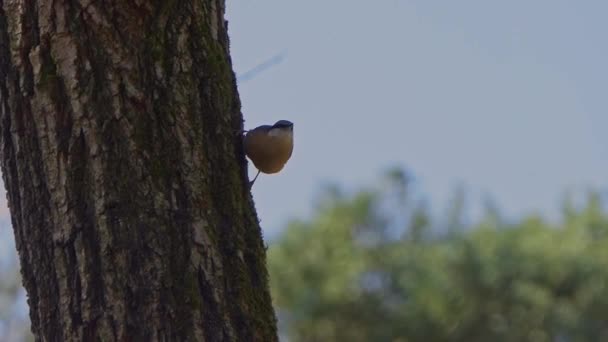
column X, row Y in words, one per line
column 507, row 98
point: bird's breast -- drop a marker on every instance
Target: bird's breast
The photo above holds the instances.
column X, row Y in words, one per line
column 269, row 152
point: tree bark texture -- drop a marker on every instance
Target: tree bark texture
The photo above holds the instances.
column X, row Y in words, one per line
column 126, row 179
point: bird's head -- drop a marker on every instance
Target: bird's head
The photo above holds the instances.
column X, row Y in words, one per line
column 281, row 128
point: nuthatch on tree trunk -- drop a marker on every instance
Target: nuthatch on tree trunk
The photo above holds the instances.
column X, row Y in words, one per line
column 269, row 147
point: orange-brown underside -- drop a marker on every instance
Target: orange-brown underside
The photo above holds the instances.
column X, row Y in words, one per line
column 268, row 153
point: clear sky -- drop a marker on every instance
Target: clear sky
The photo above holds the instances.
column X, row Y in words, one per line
column 509, row 98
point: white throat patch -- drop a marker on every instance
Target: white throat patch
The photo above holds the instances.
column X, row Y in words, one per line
column 279, row 132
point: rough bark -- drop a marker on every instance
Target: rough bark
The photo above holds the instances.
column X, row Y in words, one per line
column 126, row 181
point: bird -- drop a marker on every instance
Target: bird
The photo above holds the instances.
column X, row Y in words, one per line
column 269, row 147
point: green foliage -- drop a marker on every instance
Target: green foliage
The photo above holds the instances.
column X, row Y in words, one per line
column 360, row 272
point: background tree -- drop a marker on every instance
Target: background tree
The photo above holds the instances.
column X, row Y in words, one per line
column 125, row 177
column 355, row 272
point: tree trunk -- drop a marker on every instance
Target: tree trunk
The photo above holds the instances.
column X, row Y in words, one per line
column 125, row 175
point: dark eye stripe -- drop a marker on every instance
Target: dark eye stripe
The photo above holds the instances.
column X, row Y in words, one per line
column 283, row 124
